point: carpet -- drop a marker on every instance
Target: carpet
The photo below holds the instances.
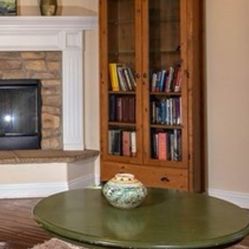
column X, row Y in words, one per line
column 59, row 244
column 56, row 244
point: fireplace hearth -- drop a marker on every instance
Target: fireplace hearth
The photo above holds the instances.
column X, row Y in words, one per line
column 20, row 114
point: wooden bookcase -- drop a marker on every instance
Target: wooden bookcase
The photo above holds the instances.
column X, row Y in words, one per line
column 152, row 127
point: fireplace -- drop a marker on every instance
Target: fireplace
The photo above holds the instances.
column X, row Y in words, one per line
column 20, row 114
column 28, row 47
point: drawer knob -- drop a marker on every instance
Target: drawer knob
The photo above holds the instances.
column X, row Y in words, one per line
column 165, row 179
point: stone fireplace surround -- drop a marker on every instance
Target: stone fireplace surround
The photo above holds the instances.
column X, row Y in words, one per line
column 46, row 67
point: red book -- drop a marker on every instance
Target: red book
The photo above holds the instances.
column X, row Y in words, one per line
column 162, row 146
column 125, row 109
column 126, row 143
column 132, row 110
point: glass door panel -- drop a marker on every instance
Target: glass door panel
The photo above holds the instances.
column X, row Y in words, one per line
column 122, row 132
column 165, row 98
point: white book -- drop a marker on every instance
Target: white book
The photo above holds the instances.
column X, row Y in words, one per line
column 133, row 143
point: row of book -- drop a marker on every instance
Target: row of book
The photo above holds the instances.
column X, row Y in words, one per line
column 122, row 142
column 166, row 145
column 167, row 111
column 121, row 77
column 122, row 108
column 167, row 80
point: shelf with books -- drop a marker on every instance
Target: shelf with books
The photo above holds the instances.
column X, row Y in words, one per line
column 167, row 80
column 166, row 111
column 166, row 144
column 122, row 78
column 122, row 108
column 122, row 142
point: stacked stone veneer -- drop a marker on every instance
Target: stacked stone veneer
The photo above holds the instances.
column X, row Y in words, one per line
column 45, row 66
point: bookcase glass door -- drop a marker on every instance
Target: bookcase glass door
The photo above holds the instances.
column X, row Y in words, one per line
column 122, row 134
column 165, row 97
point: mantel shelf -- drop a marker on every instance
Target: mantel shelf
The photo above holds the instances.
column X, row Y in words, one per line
column 44, row 156
column 68, row 18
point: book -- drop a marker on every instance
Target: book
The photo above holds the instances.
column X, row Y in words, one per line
column 131, row 110
column 133, row 144
column 114, row 76
column 119, row 109
column 162, row 146
column 122, row 81
column 168, row 84
column 128, row 79
column 162, row 80
column 126, row 143
column 117, row 141
column 125, row 109
column 153, row 82
column 112, row 107
column 110, row 141
column 178, row 80
column 132, row 78
column 158, row 81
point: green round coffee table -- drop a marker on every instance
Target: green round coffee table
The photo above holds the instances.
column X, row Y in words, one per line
column 167, row 219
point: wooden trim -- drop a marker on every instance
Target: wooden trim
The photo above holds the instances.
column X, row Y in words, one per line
column 151, row 176
column 103, row 77
column 139, row 99
column 146, row 90
column 194, row 108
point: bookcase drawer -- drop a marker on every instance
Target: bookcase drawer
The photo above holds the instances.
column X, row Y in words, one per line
column 150, row 176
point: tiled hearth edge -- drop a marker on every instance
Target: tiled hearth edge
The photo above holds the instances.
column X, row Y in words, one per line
column 45, row 156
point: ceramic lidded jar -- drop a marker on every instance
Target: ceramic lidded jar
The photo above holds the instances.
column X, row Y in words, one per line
column 124, row 191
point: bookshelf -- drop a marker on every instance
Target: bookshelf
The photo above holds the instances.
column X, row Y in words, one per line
column 151, row 117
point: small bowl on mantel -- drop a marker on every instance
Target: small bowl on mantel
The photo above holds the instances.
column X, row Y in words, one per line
column 124, row 191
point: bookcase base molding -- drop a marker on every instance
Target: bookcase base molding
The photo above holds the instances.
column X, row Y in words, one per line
column 150, row 176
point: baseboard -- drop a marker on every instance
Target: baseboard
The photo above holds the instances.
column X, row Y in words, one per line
column 81, row 182
column 238, row 198
column 31, row 190
column 36, row 190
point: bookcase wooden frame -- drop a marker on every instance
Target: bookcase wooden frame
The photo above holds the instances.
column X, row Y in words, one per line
column 186, row 174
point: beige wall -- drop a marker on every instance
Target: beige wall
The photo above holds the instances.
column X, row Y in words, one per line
column 227, row 70
column 227, row 79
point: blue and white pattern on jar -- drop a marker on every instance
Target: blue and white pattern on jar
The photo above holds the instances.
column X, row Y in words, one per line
column 124, row 191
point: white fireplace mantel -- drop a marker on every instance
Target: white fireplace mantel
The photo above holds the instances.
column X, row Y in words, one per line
column 56, row 33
